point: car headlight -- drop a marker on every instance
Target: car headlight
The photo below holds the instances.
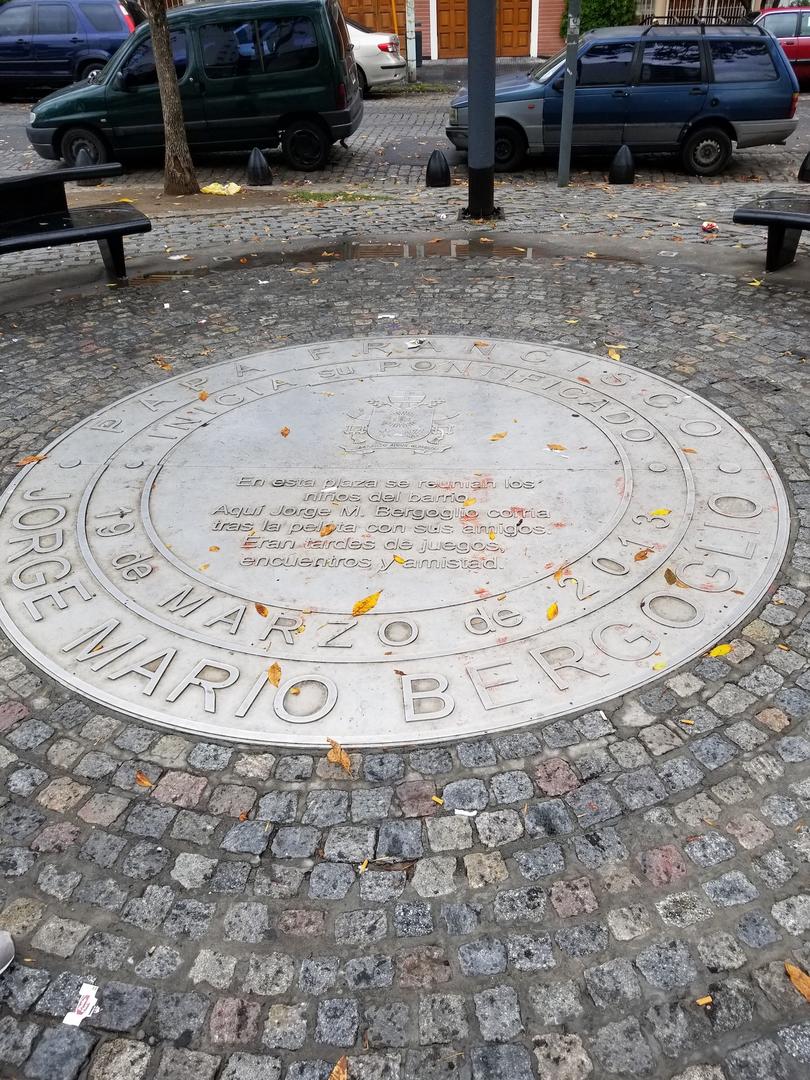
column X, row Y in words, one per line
column 32, row 117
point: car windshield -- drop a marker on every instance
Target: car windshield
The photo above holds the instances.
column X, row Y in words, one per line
column 547, row 68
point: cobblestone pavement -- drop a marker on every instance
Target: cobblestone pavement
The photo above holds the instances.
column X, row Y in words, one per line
column 394, row 142
column 256, row 915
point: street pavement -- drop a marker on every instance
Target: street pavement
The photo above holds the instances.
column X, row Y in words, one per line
column 614, row 869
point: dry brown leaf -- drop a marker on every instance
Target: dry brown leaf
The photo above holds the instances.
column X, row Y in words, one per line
column 670, row 577
column 285, row 431
column 262, row 610
column 29, row 459
column 799, row 978
column 162, row 363
column 688, row 450
column 497, row 436
column 643, row 554
column 366, row 604
column 558, row 447
column 327, row 529
column 243, row 816
column 341, row 1070
column 203, row 395
column 142, row 780
column 338, row 756
column 214, row 547
column 274, row 673
column 481, row 344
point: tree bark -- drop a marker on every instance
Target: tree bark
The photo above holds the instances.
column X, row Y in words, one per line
column 179, row 177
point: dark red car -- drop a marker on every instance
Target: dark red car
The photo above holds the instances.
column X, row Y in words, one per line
column 791, row 25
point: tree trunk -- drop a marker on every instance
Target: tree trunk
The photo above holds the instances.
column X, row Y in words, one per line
column 179, row 177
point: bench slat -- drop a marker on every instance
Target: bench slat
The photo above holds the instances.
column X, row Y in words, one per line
column 83, row 223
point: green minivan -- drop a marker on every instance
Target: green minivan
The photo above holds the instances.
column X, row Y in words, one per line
column 261, row 74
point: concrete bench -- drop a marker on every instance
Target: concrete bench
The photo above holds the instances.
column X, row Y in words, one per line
column 785, row 216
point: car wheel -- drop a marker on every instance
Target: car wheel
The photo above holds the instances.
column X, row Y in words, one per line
column 76, row 139
column 363, row 82
column 305, row 145
column 93, row 68
column 706, row 151
column 510, row 148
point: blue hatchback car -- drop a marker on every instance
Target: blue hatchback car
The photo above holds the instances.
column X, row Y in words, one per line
column 59, row 41
column 695, row 90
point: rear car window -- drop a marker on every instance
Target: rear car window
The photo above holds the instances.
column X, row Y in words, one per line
column 288, row 44
column 139, row 69
column 670, row 62
column 102, row 17
column 229, row 50
column 17, row 20
column 606, row 64
column 742, row 61
column 55, row 19
column 781, row 25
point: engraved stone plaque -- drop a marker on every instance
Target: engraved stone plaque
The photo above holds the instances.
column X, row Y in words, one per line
column 387, row 542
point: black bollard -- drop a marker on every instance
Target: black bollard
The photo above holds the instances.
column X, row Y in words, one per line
column 258, row 171
column 622, row 168
column 804, row 170
column 437, row 173
column 83, row 159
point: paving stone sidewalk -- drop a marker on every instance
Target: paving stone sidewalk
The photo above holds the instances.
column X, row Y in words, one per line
column 250, row 914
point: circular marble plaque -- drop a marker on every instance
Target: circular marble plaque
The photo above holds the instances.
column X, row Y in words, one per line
column 387, row 542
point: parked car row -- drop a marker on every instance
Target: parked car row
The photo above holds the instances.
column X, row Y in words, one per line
column 695, row 90
column 791, row 28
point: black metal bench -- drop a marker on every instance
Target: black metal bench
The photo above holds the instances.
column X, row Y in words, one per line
column 786, row 216
column 34, row 213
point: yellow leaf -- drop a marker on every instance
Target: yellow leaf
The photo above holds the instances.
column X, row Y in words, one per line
column 31, row 458
column 399, row 560
column 338, row 756
column 659, row 666
column 214, row 547
column 590, row 254
column 468, row 502
column 262, row 610
column 660, row 513
column 367, row 603
column 670, row 577
column 721, row 650
column 363, row 866
column 614, row 355
column 755, row 282
column 142, row 780
column 481, row 344
column 552, row 611
column 124, row 200
column 341, row 1070
column 285, row 431
column 491, row 534
column 327, row 529
column 274, row 673
column 498, row 435
column 204, row 566
column 295, row 690
column 203, row 395
column 485, row 240
column 572, row 322
column 685, row 720
column 555, row 446
column 707, row 1000
column 437, row 800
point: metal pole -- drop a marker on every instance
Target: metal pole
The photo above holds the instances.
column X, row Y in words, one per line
column 394, row 16
column 410, row 40
column 481, row 78
column 569, row 90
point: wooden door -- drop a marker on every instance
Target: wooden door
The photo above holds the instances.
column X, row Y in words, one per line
column 376, row 15
column 514, row 27
column 452, row 28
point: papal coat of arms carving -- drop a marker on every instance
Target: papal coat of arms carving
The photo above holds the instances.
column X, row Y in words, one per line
column 400, row 422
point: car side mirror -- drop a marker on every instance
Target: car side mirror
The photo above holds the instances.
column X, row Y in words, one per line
column 120, row 81
column 558, row 84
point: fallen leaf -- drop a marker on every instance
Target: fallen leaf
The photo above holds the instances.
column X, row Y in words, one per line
column 584, row 379
column 721, row 650
column 555, row 446
column 204, row 566
column 243, row 816
column 214, row 547
column 660, row 513
column 670, row 577
column 485, row 240
column 341, row 1069
column 590, row 254
column 614, row 354
column 491, row 534
column 262, row 610
column 361, row 869
column 29, row 459
column 755, row 282
column 468, row 502
column 498, row 435
column 274, row 673
column 203, row 395
column 481, row 344
column 285, row 431
column 338, row 756
column 707, row 1000
column 688, row 450
column 162, row 363
column 684, row 720
column 142, row 780
column 659, row 666
column 366, row 604
column 552, row 611
column 398, row 559
column 437, row 800
column 640, row 556
column 295, row 690
column 398, row 672
column 327, row 529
